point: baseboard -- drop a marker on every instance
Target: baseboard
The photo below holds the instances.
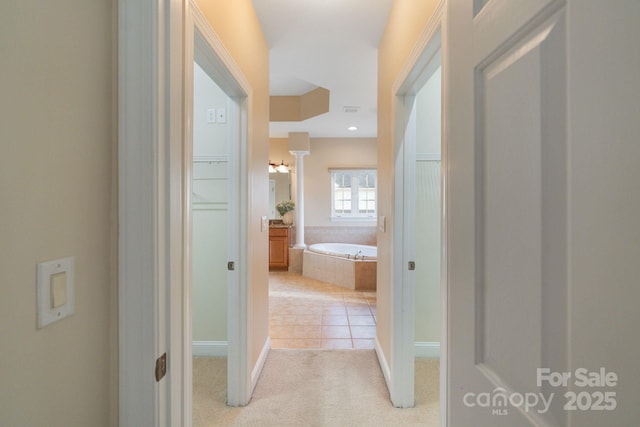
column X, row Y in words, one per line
column 427, row 350
column 255, row 373
column 384, row 366
column 210, row 348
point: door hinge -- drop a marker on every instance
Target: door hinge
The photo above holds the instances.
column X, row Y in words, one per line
column 231, row 266
column 412, row 265
column 161, row 367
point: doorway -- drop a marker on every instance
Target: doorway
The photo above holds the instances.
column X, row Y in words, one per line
column 418, row 258
column 214, row 166
column 210, row 213
column 423, row 221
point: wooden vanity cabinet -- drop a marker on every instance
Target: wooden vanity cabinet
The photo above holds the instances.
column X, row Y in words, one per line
column 279, row 248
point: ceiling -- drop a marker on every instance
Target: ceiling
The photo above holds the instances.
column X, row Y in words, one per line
column 331, row 44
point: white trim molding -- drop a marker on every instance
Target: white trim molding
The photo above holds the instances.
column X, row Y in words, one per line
column 204, row 46
column 210, row 348
column 413, row 75
column 423, row 350
column 149, row 75
column 384, row 365
column 428, row 157
column 262, row 358
column 427, row 350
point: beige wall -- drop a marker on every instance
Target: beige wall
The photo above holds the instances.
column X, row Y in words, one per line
column 314, row 103
column 326, row 153
column 56, row 186
column 329, row 153
column 237, row 25
column 299, row 107
column 284, row 108
column 407, row 20
column 279, row 151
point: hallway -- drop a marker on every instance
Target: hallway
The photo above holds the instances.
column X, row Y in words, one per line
column 314, row 388
column 306, row 313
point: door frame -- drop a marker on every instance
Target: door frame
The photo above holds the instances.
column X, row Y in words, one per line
column 201, row 38
column 410, row 80
column 153, row 305
column 149, row 231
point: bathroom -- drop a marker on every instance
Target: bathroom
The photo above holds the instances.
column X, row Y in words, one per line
column 322, row 222
column 361, row 153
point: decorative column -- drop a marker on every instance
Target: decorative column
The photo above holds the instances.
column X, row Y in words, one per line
column 299, row 211
column 299, row 146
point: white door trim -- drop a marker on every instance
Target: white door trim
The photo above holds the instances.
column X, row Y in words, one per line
column 218, row 63
column 410, row 79
column 153, row 304
column 149, row 75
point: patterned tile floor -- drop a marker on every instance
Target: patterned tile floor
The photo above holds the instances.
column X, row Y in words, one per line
column 307, row 313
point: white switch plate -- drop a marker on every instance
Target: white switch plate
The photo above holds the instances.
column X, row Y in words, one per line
column 265, row 223
column 55, row 288
column 382, row 223
column 221, row 115
column 211, row 115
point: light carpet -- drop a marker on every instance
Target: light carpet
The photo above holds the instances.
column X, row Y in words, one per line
column 314, row 388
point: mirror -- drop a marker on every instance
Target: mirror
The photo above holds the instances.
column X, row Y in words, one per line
column 279, row 190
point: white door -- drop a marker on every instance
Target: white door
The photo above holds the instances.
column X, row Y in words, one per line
column 505, row 194
column 418, row 213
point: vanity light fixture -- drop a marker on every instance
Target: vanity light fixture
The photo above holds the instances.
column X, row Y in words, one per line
column 281, row 168
column 352, row 128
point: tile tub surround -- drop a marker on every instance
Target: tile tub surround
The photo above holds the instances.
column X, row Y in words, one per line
column 295, row 260
column 340, row 271
column 306, row 313
column 329, row 234
column 340, row 234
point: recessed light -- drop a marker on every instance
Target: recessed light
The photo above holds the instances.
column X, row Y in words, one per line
column 352, row 128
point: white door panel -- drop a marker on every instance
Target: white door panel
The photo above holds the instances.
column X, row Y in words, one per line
column 507, row 212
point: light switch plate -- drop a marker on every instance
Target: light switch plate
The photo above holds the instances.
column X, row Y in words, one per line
column 265, row 223
column 221, row 115
column 211, row 115
column 382, row 223
column 55, row 289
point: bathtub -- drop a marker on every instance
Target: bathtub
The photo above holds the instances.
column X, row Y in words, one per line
column 346, row 265
column 347, row 250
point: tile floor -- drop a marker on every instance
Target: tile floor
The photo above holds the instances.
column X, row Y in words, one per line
column 307, row 313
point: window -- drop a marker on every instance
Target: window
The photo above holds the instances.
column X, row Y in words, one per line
column 353, row 193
